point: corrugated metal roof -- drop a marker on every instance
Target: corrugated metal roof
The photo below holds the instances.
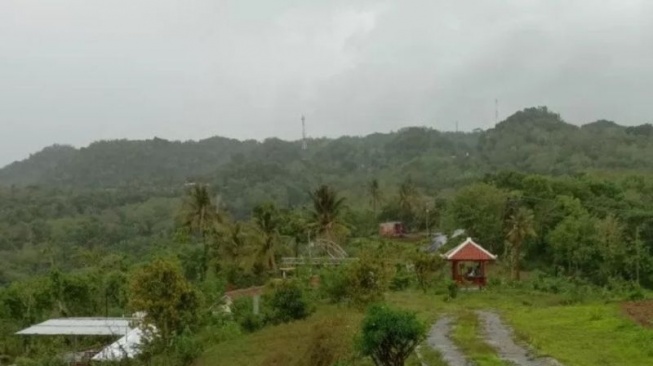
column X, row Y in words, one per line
column 80, row 326
column 126, row 347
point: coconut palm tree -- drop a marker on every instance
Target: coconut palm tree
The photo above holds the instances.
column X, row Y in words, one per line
column 200, row 216
column 520, row 228
column 407, row 195
column 407, row 200
column 326, row 217
column 234, row 245
column 374, row 190
column 266, row 219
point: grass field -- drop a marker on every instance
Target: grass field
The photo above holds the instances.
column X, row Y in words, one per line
column 330, row 327
column 577, row 335
column 584, row 335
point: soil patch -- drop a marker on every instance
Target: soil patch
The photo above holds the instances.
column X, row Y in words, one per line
column 640, row 311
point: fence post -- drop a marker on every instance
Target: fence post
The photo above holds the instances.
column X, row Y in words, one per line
column 255, row 303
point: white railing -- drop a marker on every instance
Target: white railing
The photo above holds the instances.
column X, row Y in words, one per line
column 319, row 261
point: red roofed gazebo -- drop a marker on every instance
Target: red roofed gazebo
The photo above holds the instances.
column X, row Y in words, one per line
column 469, row 251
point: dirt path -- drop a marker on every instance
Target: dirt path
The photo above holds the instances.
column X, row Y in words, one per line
column 439, row 340
column 640, row 311
column 500, row 336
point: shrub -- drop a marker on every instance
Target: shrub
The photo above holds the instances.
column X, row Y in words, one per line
column 224, row 331
column 401, row 279
column 24, row 361
column 389, row 336
column 288, row 303
column 186, row 349
column 360, row 283
column 242, row 310
column 251, row 322
column 452, row 289
column 636, row 293
column 334, row 285
column 5, row 360
column 367, row 281
column 426, row 268
column 328, row 343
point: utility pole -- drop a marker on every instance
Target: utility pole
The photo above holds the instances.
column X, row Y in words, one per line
column 310, row 255
column 496, row 111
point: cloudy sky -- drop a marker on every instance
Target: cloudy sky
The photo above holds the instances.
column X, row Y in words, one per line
column 75, row 71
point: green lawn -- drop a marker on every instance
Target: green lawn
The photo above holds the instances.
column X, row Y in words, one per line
column 577, row 335
column 290, row 344
column 584, row 335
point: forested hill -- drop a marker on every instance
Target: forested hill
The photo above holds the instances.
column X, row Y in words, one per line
column 532, row 140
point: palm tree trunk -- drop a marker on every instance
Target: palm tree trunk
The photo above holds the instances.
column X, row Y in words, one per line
column 272, row 264
column 515, row 261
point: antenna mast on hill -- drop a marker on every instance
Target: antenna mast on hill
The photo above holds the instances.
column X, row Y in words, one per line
column 496, row 111
column 304, row 145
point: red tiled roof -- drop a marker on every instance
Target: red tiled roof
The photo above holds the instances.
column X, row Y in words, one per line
column 469, row 251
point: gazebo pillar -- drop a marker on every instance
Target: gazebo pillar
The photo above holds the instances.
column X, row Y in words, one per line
column 454, row 270
column 483, row 281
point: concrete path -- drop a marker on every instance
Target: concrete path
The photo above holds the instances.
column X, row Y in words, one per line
column 439, row 339
column 500, row 337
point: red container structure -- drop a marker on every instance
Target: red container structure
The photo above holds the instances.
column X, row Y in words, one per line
column 392, row 229
column 469, row 252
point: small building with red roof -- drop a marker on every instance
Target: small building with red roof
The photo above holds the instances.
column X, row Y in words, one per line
column 460, row 258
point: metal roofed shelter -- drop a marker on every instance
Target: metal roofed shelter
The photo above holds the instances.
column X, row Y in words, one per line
column 81, row 326
column 469, row 251
column 126, row 347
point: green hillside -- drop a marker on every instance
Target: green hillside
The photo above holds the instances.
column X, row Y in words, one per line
column 98, row 230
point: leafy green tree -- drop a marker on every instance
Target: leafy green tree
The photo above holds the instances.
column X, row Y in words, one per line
column 573, row 242
column 521, row 228
column 613, row 249
column 636, row 253
column 168, row 299
column 115, row 291
column 389, row 336
column 478, row 208
column 426, row 267
column 30, row 300
column 326, row 216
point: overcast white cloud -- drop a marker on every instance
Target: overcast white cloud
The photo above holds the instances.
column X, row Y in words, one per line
column 75, row 71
